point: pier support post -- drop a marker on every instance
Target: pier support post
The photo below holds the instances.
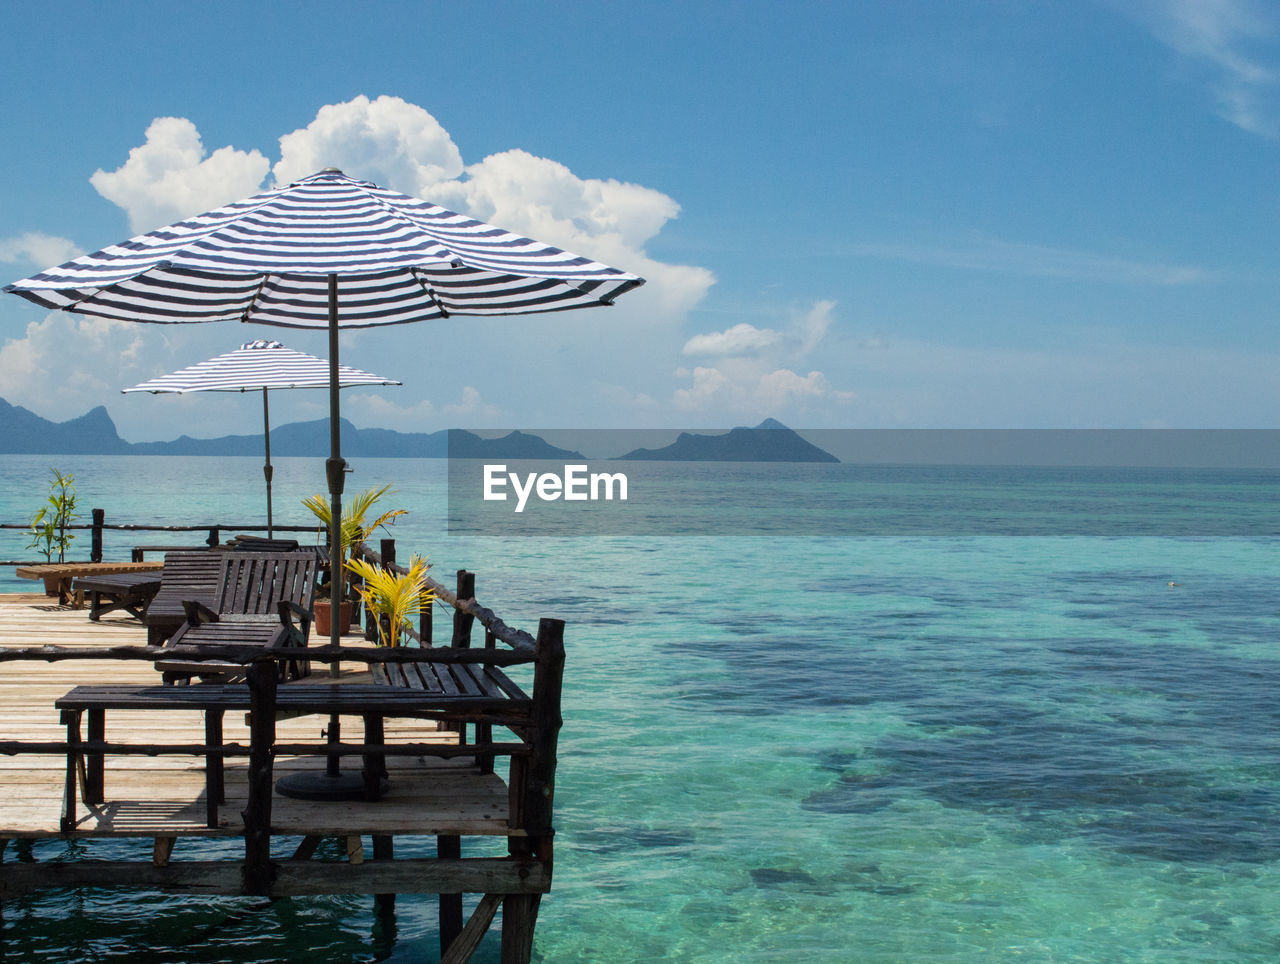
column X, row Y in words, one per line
column 449, row 848
column 257, row 813
column 519, row 915
column 384, row 849
column 533, row 804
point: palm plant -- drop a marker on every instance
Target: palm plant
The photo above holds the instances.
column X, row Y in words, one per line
column 398, row 596
column 49, row 525
column 354, row 526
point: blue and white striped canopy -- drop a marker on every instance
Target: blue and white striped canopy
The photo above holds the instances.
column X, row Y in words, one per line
column 258, row 365
column 267, row 260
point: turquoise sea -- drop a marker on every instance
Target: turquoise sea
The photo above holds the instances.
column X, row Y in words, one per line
column 950, row 746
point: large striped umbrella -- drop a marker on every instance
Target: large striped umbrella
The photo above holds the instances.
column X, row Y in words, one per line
column 326, row 251
column 259, row 365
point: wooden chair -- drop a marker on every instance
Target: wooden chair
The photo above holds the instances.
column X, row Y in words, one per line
column 262, row 599
column 187, row 576
column 217, row 634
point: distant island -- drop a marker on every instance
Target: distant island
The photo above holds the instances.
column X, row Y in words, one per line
column 770, row 441
column 22, row 432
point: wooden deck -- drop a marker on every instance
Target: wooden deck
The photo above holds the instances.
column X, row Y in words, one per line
column 163, row 796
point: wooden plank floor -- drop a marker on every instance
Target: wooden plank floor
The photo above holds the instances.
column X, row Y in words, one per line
column 164, row 795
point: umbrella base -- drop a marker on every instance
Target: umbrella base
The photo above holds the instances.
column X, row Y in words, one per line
column 319, row 785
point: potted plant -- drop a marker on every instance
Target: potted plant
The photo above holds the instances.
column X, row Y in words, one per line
column 49, row 525
column 396, row 596
column 355, row 528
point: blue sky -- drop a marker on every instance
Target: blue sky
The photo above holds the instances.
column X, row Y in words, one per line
column 909, row 214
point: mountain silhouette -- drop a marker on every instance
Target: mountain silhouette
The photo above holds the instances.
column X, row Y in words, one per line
column 22, row 432
column 770, row 441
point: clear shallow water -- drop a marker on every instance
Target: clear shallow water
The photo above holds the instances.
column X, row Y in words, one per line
column 923, row 748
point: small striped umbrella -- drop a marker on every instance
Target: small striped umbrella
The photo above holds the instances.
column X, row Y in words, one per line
column 328, row 251
column 258, row 366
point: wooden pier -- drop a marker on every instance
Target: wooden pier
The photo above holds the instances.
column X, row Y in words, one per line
column 153, row 781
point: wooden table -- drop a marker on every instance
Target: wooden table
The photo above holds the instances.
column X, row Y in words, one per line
column 373, row 702
column 64, row 572
column 130, row 591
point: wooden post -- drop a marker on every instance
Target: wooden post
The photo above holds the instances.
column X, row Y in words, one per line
column 214, row 786
column 519, row 915
column 484, row 731
column 449, row 847
column 375, row 764
column 544, row 725
column 384, row 849
column 72, row 719
column 424, row 619
column 162, row 850
column 367, row 620
column 257, row 813
column 95, row 543
column 215, row 537
column 462, row 621
column 520, row 911
column 94, row 788
column 388, row 554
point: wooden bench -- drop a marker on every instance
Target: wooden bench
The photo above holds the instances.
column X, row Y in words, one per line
column 500, row 699
column 130, row 591
column 60, row 574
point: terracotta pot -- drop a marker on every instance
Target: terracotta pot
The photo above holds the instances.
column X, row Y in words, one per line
column 51, row 585
column 323, row 609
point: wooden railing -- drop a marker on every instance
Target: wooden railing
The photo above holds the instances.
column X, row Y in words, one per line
column 96, row 528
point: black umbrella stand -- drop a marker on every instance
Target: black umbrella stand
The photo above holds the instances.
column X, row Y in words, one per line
column 332, row 784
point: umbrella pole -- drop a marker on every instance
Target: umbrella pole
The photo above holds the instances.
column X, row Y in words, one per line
column 332, row 784
column 335, row 469
column 266, row 468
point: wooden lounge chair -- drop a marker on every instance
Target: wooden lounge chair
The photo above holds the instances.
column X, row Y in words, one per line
column 262, row 599
column 244, row 543
column 187, row 576
column 217, row 634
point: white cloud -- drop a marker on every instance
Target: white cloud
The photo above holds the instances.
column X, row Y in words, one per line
column 471, row 406
column 169, row 177
column 741, row 389
column 381, row 411
column 809, row 329
column 384, row 411
column 389, row 141
column 745, row 382
column 801, row 337
column 1220, row 34
column 34, row 368
column 741, row 339
column 607, row 221
column 43, row 250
